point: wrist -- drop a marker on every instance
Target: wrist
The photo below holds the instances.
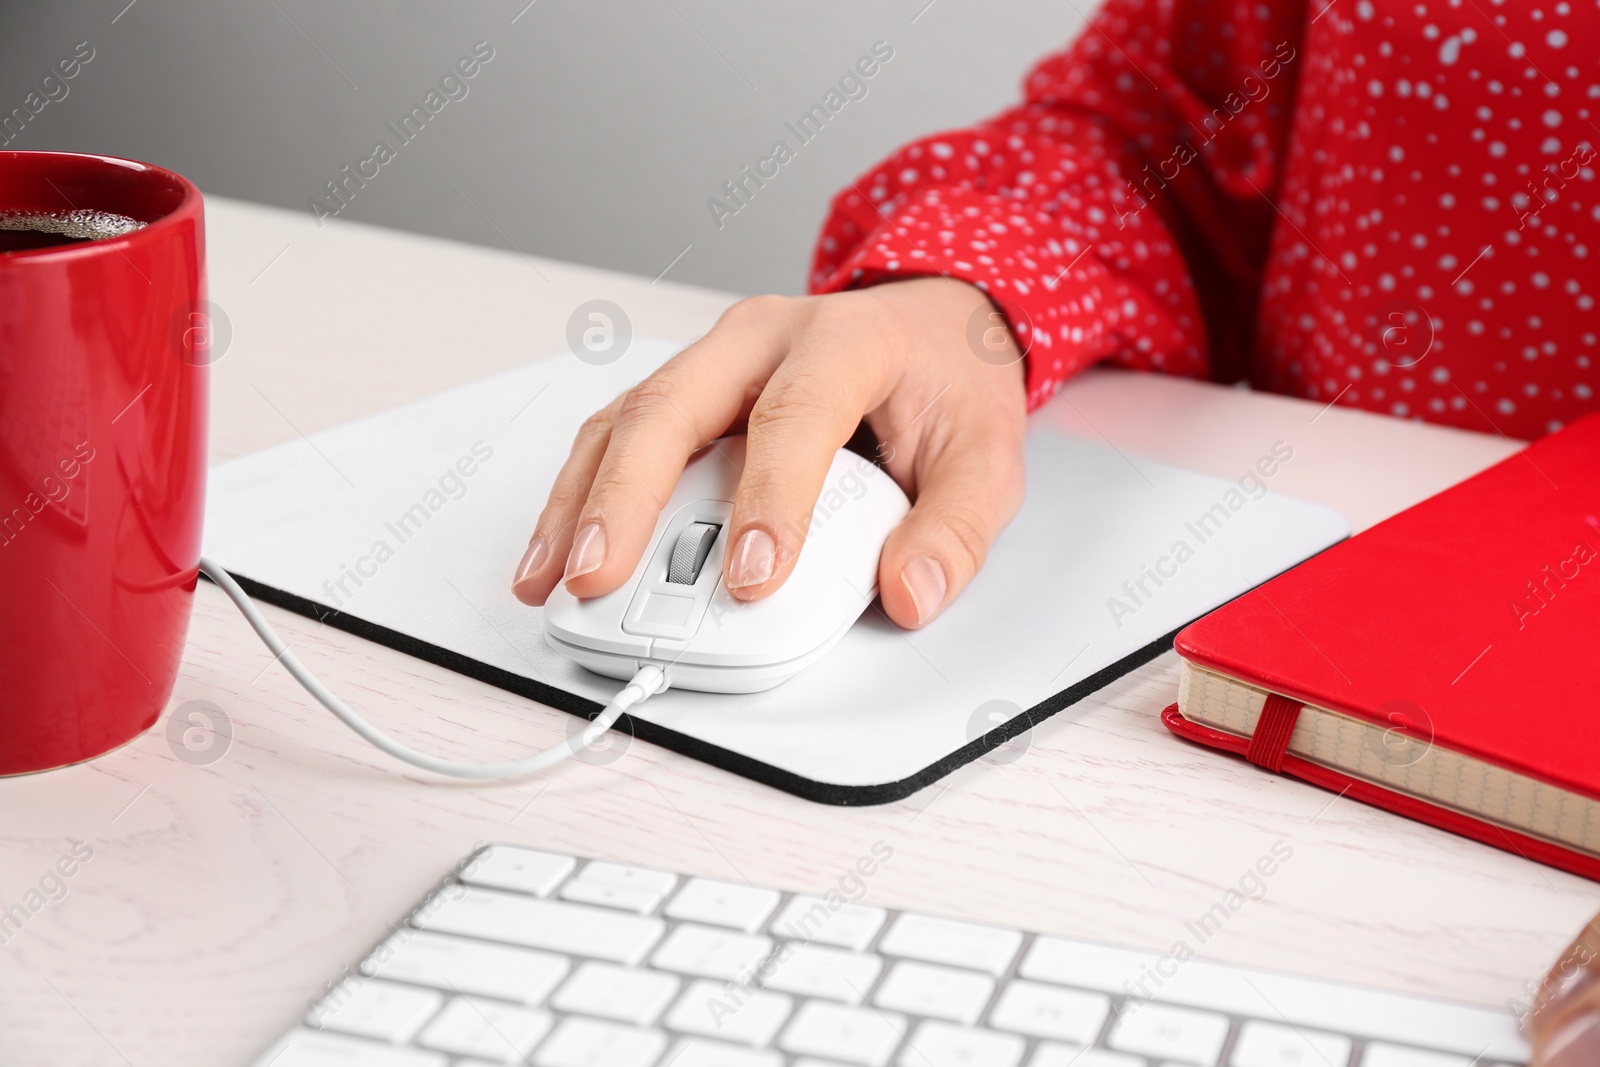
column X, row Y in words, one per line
column 950, row 304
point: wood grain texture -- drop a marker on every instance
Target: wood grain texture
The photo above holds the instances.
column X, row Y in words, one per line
column 221, row 898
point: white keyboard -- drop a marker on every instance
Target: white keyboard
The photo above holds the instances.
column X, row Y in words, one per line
column 529, row 957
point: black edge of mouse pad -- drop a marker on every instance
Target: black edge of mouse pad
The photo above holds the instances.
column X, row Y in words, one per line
column 849, row 796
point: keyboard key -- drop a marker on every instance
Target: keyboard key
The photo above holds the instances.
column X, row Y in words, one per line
column 742, row 907
column 496, row 1032
column 548, row 924
column 698, row 1052
column 381, row 1010
column 937, row 1044
column 619, row 993
column 616, row 885
column 646, row 879
column 580, row 1042
column 1164, row 1032
column 1040, row 1010
column 854, row 1035
column 960, row 944
column 823, row 972
column 1273, row 1045
column 626, row 898
column 1380, row 1055
column 460, row 965
column 937, row 992
column 1055, row 959
column 708, row 953
column 748, row 1017
column 307, row 1048
column 811, row 919
column 525, row 870
column 1051, row 1054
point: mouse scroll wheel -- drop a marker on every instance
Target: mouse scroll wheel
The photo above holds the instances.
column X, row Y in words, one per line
column 690, row 552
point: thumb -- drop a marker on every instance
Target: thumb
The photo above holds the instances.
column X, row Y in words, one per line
column 968, row 488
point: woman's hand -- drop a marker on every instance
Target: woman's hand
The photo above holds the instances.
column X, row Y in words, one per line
column 799, row 374
column 1564, row 1020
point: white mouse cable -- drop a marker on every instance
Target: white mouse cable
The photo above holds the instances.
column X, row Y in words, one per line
column 650, row 680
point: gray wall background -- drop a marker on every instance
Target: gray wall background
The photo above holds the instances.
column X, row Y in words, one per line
column 595, row 134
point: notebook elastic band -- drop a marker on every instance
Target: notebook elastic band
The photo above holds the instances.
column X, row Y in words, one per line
column 1270, row 742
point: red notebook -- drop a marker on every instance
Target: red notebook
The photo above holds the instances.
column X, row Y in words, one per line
column 1444, row 664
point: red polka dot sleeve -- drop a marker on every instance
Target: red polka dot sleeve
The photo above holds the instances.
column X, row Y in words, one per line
column 1065, row 209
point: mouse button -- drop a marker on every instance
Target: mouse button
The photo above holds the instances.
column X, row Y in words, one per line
column 840, row 567
column 737, row 633
column 665, row 609
column 592, row 624
column 661, row 614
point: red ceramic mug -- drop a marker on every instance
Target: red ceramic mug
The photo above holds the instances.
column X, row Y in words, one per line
column 103, row 353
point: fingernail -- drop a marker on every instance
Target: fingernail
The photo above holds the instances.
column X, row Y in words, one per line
column 588, row 552
column 532, row 560
column 752, row 559
column 924, row 580
column 1576, row 1044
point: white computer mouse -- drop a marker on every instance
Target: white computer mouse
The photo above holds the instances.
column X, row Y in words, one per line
column 675, row 611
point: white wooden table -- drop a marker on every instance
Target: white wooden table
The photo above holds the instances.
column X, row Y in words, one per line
column 221, row 898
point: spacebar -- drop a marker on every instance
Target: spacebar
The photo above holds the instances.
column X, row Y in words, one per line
column 599, row 933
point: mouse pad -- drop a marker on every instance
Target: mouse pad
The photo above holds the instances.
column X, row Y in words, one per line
column 405, row 528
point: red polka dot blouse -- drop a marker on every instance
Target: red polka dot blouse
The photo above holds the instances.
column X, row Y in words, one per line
column 1378, row 204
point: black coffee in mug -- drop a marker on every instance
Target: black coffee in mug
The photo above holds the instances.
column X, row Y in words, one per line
column 24, row 231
